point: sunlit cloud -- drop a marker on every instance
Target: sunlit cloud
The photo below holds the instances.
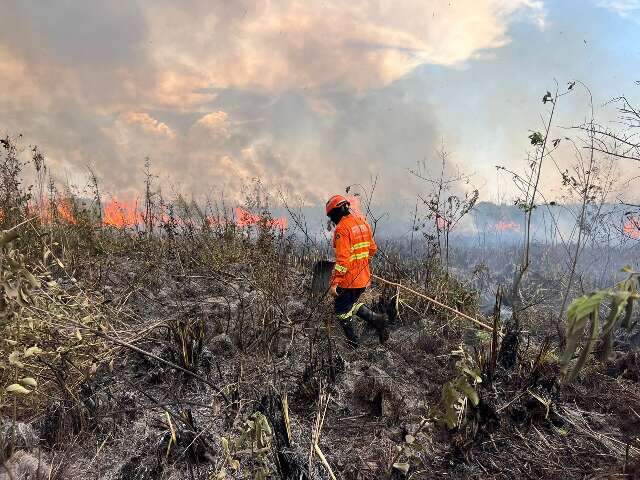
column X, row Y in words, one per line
column 624, row 8
column 277, row 46
column 15, row 80
column 304, row 95
column 148, row 123
column 180, row 91
column 215, row 121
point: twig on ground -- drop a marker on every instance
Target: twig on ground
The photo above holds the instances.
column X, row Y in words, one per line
column 436, row 302
column 151, row 355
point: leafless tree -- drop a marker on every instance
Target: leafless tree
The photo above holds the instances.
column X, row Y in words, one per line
column 445, row 208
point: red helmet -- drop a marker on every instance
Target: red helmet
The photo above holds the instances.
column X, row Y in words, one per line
column 335, row 202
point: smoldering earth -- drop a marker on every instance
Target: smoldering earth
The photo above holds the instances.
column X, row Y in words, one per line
column 177, row 348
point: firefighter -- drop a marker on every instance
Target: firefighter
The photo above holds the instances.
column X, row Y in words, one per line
column 353, row 244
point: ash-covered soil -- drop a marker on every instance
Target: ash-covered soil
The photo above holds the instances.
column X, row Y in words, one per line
column 257, row 346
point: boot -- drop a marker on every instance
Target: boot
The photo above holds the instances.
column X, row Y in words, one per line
column 376, row 320
column 349, row 332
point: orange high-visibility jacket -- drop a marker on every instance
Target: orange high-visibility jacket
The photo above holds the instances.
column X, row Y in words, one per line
column 353, row 243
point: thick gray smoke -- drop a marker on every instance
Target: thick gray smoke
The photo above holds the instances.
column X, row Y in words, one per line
column 303, row 96
column 306, row 96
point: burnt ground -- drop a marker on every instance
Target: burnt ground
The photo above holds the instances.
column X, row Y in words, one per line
column 136, row 417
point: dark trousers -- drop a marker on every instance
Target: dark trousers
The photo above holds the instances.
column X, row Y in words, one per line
column 346, row 303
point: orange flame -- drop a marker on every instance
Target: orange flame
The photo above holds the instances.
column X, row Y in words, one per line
column 245, row 218
column 504, row 226
column 125, row 213
column 632, row 228
column 62, row 209
column 65, row 210
column 121, row 214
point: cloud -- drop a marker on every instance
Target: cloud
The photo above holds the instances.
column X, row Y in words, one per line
column 624, row 8
column 300, row 94
column 216, row 121
column 148, row 123
column 17, row 85
column 276, row 46
column 180, row 91
column 627, row 9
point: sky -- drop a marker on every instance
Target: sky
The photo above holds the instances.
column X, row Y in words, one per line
column 306, row 96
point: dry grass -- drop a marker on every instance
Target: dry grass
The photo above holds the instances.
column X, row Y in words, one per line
column 155, row 350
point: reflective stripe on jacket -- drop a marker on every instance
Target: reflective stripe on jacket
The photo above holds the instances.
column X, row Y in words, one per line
column 354, row 245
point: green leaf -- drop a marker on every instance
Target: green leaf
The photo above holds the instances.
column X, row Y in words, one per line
column 619, row 302
column 536, row 138
column 449, row 403
column 474, row 374
column 469, row 392
column 578, row 314
column 626, row 322
column 225, row 446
